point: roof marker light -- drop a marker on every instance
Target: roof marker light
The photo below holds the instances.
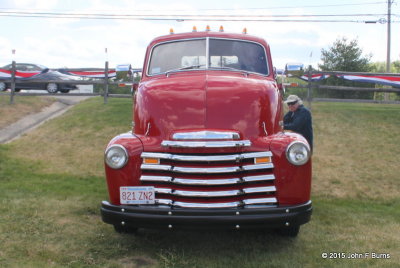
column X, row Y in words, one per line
column 244, row 30
column 208, row 28
column 171, row 31
column 194, row 29
column 221, row 28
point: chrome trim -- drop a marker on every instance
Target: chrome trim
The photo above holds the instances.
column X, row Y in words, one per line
column 207, row 52
column 163, row 191
column 206, row 205
column 206, row 144
column 259, row 178
column 206, row 194
column 156, row 167
column 206, row 135
column 164, row 202
column 192, row 158
column 206, row 182
column 187, row 193
column 260, row 201
column 259, row 189
column 156, row 178
column 259, row 166
column 148, row 129
column 265, row 129
column 156, row 155
column 257, row 154
column 206, row 158
column 181, row 181
column 206, row 170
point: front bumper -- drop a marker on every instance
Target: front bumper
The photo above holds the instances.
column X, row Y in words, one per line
column 235, row 218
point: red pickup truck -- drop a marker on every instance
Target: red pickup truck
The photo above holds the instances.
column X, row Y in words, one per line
column 207, row 149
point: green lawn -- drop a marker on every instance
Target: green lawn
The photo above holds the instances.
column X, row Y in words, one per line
column 22, row 106
column 52, row 184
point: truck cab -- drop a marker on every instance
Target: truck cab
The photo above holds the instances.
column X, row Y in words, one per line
column 207, row 148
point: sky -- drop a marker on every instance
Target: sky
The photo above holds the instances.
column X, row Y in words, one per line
column 81, row 43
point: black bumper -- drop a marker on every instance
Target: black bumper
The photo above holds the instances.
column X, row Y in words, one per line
column 235, row 218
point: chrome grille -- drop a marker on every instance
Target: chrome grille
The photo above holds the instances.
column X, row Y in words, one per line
column 210, row 181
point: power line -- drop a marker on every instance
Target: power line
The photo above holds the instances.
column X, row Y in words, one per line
column 56, row 14
column 178, row 17
column 190, row 19
column 235, row 9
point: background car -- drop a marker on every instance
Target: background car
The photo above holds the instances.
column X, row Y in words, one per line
column 27, row 73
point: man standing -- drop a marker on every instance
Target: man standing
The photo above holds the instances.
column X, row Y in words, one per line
column 298, row 119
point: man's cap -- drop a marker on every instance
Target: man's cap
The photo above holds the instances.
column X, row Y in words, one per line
column 293, row 98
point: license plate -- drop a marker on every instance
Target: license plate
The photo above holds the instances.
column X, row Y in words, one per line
column 136, row 195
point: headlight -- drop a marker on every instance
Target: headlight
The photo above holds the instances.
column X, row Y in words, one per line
column 298, row 153
column 116, row 156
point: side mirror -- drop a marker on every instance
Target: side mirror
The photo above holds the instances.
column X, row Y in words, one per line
column 128, row 76
column 294, row 69
column 124, row 73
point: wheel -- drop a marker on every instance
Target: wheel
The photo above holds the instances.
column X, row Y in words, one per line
column 52, row 88
column 3, row 86
column 291, row 231
column 125, row 229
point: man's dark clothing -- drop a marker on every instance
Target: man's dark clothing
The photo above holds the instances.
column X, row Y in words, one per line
column 300, row 121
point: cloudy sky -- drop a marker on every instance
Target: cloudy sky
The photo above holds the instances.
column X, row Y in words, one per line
column 57, row 40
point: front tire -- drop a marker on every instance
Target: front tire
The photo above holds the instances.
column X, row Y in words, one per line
column 52, row 88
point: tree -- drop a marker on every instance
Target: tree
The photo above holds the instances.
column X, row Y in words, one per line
column 345, row 55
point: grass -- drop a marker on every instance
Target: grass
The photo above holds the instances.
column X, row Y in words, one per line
column 10, row 113
column 52, row 183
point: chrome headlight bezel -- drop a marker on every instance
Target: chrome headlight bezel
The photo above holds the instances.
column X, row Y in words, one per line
column 298, row 153
column 116, row 150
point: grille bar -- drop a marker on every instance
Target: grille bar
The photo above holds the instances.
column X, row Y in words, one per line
column 272, row 201
column 184, row 193
column 209, row 182
column 206, row 170
column 205, row 158
column 206, row 144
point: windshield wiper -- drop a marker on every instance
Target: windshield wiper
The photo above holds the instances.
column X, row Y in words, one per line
column 231, row 69
column 184, row 68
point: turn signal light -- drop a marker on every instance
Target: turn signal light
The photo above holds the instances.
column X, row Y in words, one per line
column 152, row 161
column 262, row 160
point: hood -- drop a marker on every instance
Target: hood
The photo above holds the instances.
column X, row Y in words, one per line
column 206, row 100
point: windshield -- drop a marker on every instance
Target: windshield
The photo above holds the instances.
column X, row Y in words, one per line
column 224, row 54
column 178, row 55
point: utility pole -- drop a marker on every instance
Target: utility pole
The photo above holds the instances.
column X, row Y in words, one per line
column 388, row 41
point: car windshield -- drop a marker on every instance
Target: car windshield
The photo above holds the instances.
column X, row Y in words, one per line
column 223, row 54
